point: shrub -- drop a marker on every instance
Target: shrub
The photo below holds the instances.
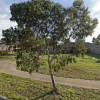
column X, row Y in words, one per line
column 2, row 53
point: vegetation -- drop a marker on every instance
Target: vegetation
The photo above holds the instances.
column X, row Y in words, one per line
column 7, row 57
column 2, row 53
column 86, row 68
column 96, row 40
column 79, row 48
column 7, row 60
column 18, row 88
column 41, row 25
column 80, row 23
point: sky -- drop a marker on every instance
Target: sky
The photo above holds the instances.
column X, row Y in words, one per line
column 5, row 23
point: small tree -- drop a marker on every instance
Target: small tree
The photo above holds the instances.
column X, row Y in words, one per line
column 42, row 23
column 42, row 18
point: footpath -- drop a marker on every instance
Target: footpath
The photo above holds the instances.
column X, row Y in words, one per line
column 10, row 68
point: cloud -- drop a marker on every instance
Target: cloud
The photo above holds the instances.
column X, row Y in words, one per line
column 96, row 8
column 65, row 3
column 5, row 24
column 3, row 16
column 4, row 8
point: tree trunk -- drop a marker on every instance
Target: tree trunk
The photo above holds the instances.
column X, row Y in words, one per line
column 50, row 70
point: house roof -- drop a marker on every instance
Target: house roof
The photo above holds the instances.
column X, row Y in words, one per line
column 86, row 45
column 92, row 45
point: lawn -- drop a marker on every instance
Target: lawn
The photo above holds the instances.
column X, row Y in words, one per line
column 18, row 88
column 85, row 68
column 7, row 55
column 7, row 58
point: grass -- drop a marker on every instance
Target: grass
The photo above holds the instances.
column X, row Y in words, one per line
column 85, row 68
column 8, row 55
column 18, row 88
column 7, row 58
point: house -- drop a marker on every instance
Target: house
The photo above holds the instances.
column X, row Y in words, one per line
column 3, row 46
column 92, row 48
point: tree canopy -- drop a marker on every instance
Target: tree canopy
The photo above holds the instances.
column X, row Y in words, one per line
column 80, row 22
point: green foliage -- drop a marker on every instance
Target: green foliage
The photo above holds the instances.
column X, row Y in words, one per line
column 2, row 53
column 9, row 35
column 79, row 48
column 61, row 61
column 85, row 68
column 80, row 22
column 28, row 62
column 41, row 25
column 96, row 40
column 28, row 47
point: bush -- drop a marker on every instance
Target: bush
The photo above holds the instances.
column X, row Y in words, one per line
column 2, row 53
column 62, row 61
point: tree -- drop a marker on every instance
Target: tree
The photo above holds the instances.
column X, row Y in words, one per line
column 42, row 22
column 96, row 40
column 9, row 35
column 43, row 19
column 79, row 48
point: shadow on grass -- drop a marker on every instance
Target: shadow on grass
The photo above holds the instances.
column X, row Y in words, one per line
column 93, row 55
column 48, row 93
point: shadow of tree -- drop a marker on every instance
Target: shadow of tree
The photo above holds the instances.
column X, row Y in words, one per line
column 41, row 96
column 48, row 93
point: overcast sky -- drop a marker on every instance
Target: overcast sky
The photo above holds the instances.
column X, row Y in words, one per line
column 93, row 5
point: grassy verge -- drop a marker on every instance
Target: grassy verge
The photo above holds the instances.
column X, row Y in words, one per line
column 18, row 88
column 8, row 60
column 8, row 55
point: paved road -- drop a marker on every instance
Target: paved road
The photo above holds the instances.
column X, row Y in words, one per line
column 3, row 98
column 10, row 68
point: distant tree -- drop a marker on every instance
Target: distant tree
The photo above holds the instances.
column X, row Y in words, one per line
column 98, row 37
column 96, row 40
column 79, row 48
